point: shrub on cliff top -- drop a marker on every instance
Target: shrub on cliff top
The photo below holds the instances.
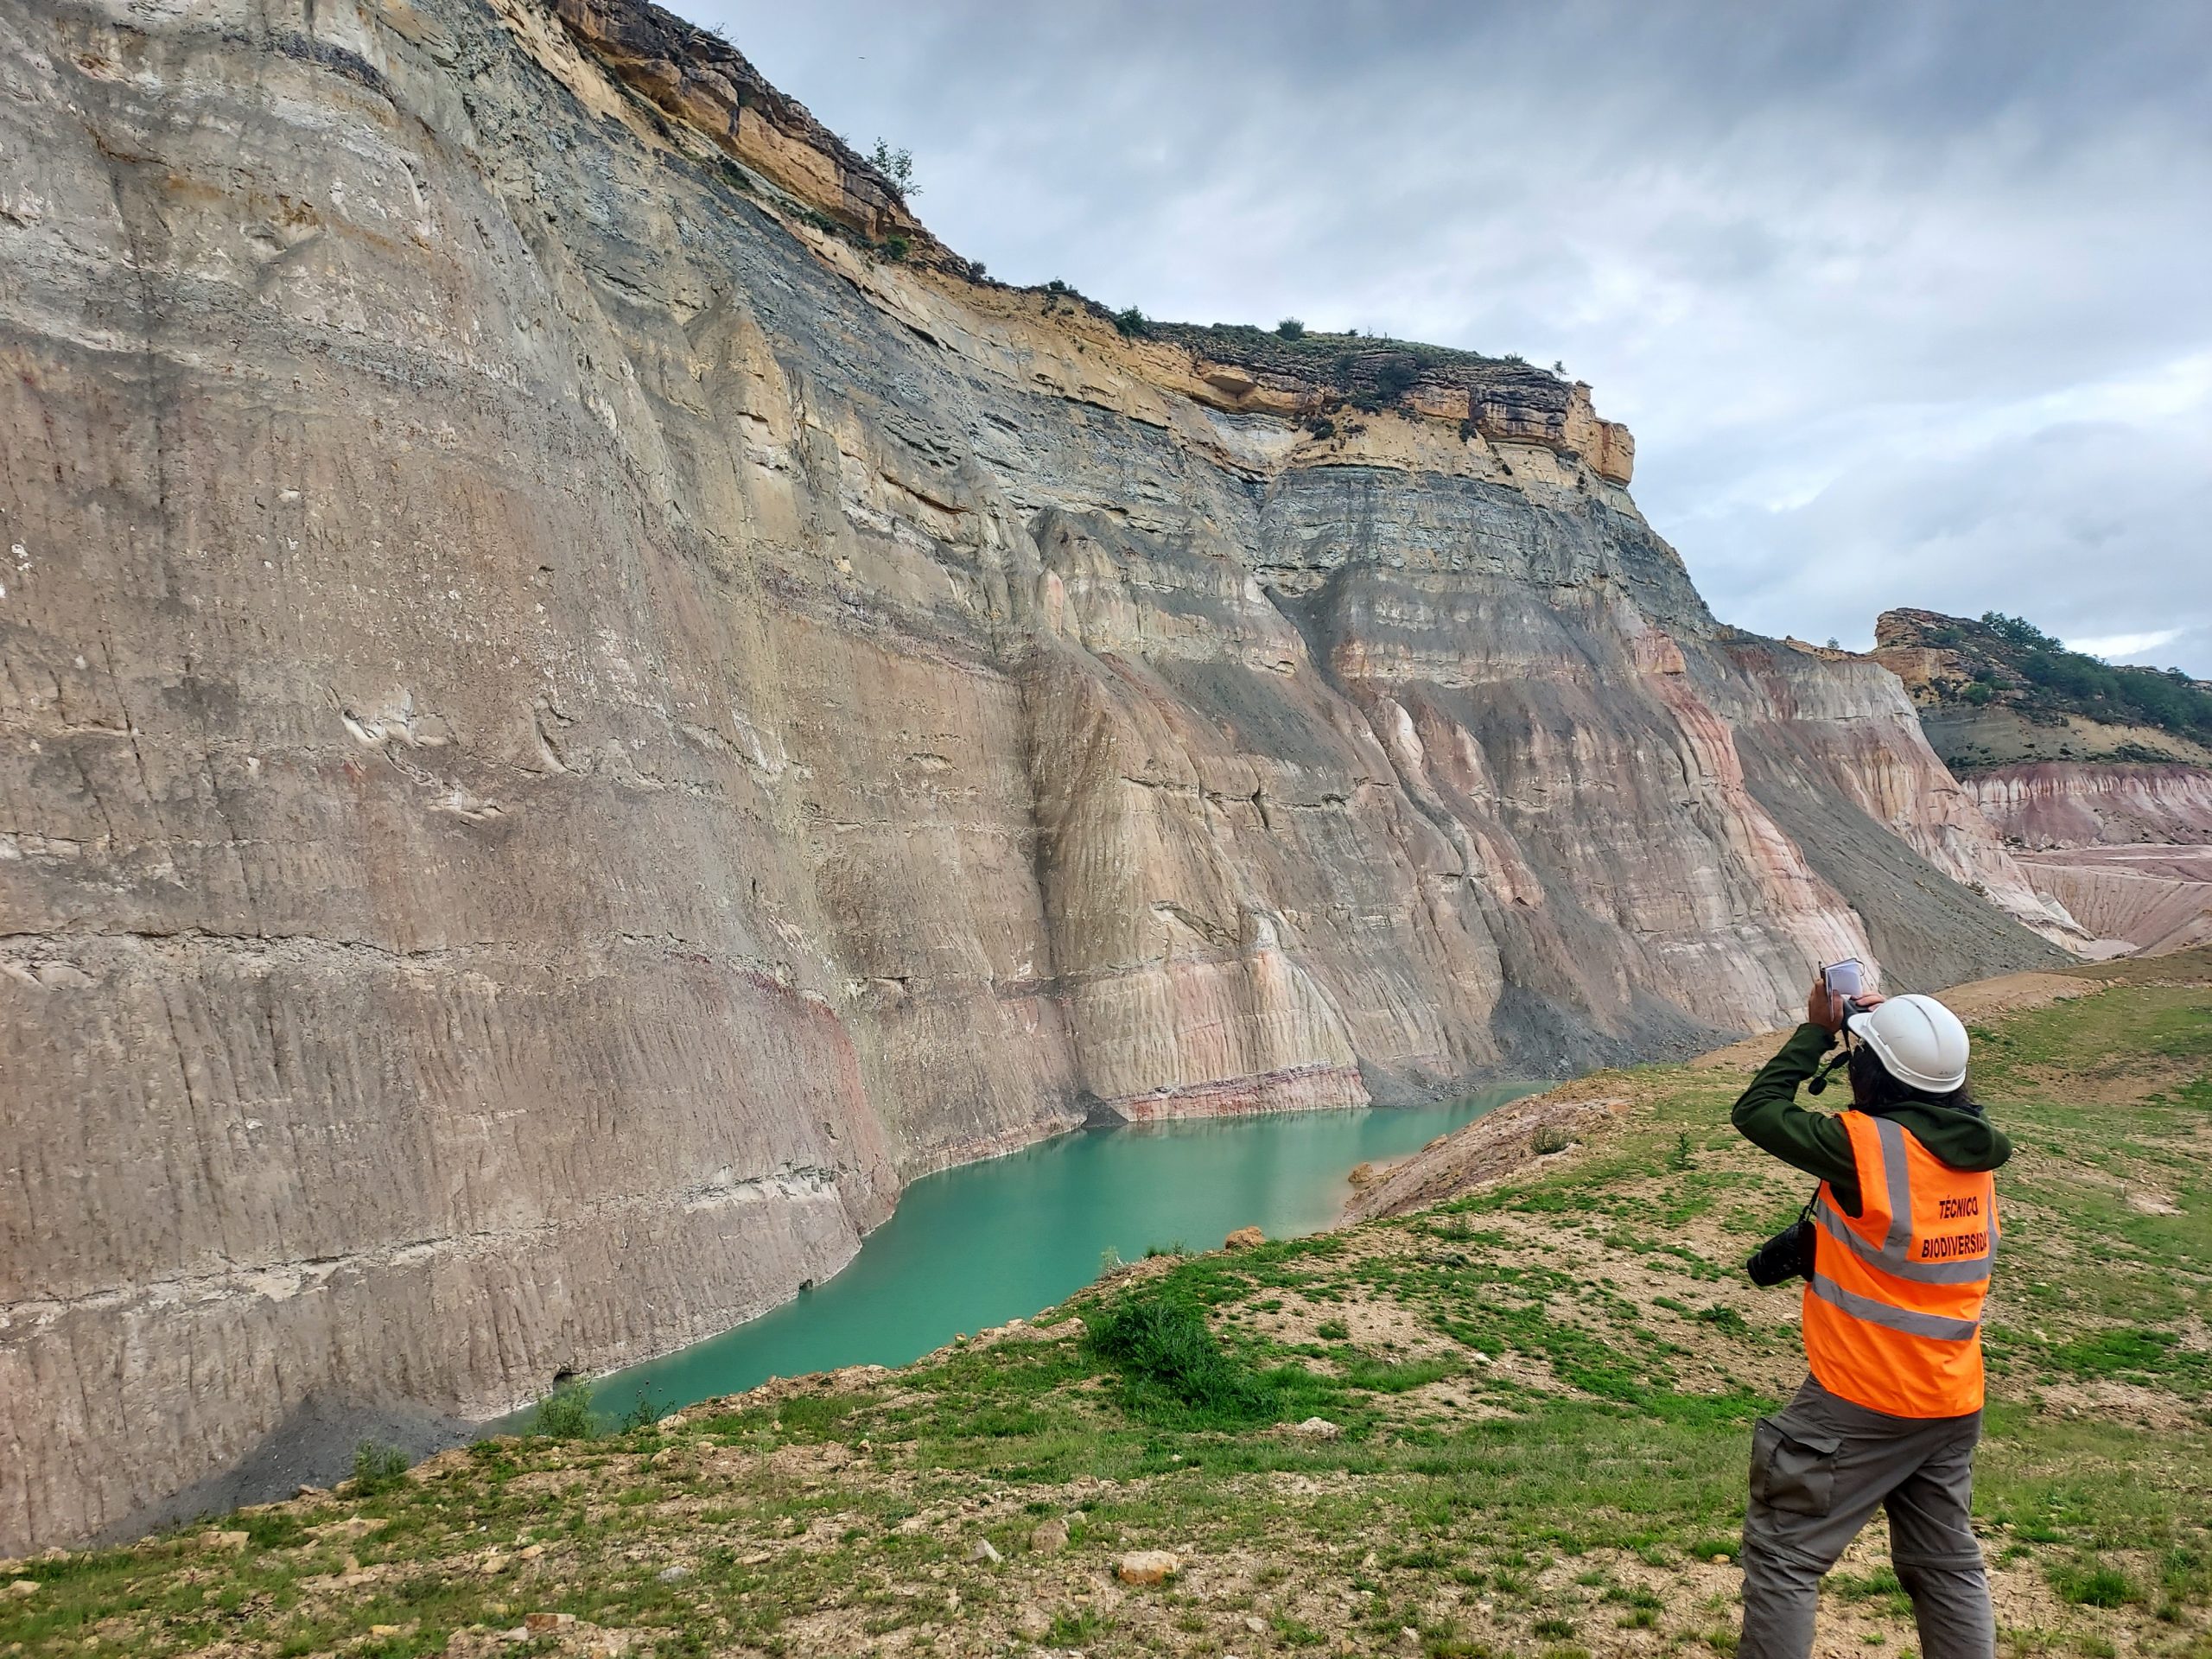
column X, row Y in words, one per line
column 2018, row 631
column 896, row 165
column 1290, row 329
column 1396, row 376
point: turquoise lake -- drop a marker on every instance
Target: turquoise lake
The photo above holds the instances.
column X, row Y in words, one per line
column 985, row 1242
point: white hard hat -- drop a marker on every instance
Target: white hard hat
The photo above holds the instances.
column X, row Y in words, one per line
column 1919, row 1041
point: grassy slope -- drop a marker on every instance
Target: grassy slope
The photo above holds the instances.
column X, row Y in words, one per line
column 1544, row 1392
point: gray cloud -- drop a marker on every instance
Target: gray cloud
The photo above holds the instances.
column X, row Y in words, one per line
column 1905, row 302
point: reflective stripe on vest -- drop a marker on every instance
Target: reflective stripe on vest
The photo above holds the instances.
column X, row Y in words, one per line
column 1892, row 1309
column 1897, row 1319
column 1962, row 1270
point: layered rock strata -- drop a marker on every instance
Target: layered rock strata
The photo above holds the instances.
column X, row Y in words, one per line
column 573, row 719
column 2073, row 803
column 2153, row 899
column 2125, row 849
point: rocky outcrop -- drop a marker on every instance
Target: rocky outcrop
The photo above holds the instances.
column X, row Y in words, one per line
column 1989, row 700
column 1503, row 400
column 576, row 713
column 1498, row 1143
column 696, row 78
column 1832, row 733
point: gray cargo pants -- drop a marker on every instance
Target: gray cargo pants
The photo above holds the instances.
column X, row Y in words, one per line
column 1820, row 1468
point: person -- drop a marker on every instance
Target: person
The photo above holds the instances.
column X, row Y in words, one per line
column 1904, row 1230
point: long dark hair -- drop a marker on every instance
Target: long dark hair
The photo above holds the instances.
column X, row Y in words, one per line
column 1875, row 1088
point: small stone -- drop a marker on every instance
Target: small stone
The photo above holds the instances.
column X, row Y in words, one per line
column 530, row 1552
column 539, row 1624
column 675, row 1574
column 23, row 1587
column 352, row 1565
column 758, row 1557
column 1720, row 1559
column 492, row 1565
column 1146, row 1567
column 229, row 1542
column 1244, row 1238
column 312, row 1492
column 1317, row 1428
column 1410, row 1633
column 1255, row 1624
column 384, row 1629
column 985, row 1551
column 1049, row 1538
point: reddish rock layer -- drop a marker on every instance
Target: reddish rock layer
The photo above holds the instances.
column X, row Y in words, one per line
column 2061, row 803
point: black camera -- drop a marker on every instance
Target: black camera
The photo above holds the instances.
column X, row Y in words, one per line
column 1787, row 1255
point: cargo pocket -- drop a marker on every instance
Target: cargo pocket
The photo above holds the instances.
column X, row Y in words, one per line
column 1792, row 1471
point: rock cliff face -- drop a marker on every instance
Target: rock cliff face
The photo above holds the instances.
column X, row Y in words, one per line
column 582, row 702
column 2126, row 850
column 2153, row 899
column 2055, row 803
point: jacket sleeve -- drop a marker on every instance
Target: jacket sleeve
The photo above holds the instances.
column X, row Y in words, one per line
column 1769, row 1116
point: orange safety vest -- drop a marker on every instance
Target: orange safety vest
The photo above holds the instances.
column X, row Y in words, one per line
column 1893, row 1310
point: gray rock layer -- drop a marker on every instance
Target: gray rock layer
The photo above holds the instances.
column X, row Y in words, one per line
column 566, row 730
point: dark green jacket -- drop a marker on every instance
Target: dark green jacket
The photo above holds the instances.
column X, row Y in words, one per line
column 1769, row 1116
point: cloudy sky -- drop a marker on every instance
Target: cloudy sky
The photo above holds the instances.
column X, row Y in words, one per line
column 1906, row 303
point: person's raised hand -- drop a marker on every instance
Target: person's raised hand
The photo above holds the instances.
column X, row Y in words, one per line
column 1824, row 1008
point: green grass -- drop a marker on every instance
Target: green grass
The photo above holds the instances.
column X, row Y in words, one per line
column 1174, row 1369
column 378, row 1467
column 2092, row 1584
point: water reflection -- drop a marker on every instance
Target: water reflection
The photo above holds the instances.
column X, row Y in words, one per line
column 978, row 1245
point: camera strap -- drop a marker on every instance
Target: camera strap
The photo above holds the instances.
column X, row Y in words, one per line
column 1820, row 1082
